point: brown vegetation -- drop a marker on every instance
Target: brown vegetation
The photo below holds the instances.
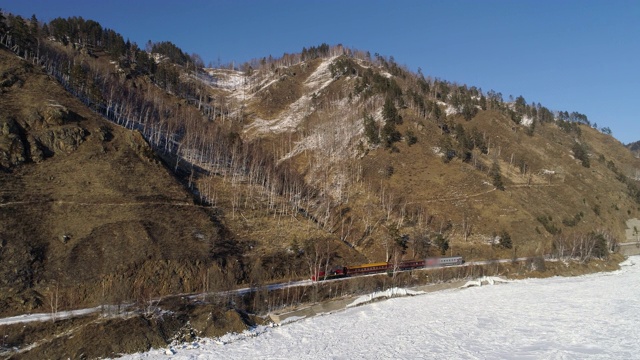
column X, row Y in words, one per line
column 143, row 184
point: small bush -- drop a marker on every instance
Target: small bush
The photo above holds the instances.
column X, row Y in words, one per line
column 505, row 240
column 411, row 138
column 548, row 225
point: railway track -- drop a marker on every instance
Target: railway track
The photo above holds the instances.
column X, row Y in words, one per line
column 127, row 309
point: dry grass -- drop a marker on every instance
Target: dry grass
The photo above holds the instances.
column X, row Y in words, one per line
column 460, row 192
column 113, row 197
column 93, row 213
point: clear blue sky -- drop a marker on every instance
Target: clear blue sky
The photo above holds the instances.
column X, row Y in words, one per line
column 574, row 55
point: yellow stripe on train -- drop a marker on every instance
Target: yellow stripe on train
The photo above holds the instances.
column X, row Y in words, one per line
column 365, row 266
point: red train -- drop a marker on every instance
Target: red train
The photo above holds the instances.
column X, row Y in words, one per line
column 343, row 271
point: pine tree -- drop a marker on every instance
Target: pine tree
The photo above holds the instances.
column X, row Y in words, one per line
column 34, row 27
column 390, row 134
column 442, row 243
column 580, row 153
column 446, row 148
column 496, row 176
column 3, row 26
column 391, row 118
column 371, row 130
column 390, row 113
column 411, row 138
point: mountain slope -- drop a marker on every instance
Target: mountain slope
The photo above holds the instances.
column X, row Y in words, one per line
column 635, row 148
column 314, row 118
column 87, row 205
column 328, row 146
column 131, row 178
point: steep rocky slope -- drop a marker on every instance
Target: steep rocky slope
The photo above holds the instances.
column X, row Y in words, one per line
column 313, row 116
column 89, row 214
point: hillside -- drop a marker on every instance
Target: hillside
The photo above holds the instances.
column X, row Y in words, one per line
column 333, row 146
column 326, row 146
column 635, row 148
column 130, row 176
column 561, row 178
column 87, row 209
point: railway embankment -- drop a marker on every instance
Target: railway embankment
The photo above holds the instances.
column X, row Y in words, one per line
column 421, row 281
column 629, row 248
column 333, row 305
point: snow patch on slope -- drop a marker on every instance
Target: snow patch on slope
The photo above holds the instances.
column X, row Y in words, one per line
column 526, row 120
column 448, row 109
column 226, row 79
column 302, row 107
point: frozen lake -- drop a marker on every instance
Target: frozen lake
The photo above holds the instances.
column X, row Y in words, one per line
column 588, row 317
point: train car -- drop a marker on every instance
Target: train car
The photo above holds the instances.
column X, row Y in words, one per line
column 366, row 268
column 411, row 264
column 445, row 261
column 334, row 273
column 451, row 261
column 379, row 267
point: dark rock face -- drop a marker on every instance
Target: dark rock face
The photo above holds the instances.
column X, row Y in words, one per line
column 38, row 134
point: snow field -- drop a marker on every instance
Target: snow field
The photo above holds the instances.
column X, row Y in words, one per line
column 588, row 317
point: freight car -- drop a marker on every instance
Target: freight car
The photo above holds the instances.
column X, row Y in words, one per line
column 343, row 271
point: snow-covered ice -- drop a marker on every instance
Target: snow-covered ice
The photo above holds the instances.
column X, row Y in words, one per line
column 588, row 317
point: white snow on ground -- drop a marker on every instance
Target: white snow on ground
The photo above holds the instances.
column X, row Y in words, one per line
column 332, row 139
column 106, row 310
column 389, row 293
column 47, row 316
column 588, row 317
column 526, row 120
column 448, row 109
column 227, row 79
column 485, row 280
column 297, row 111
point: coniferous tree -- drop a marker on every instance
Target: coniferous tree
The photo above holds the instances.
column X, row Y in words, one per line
column 442, row 243
column 478, row 141
column 411, row 138
column 171, row 51
column 580, row 153
column 446, row 148
column 520, row 105
column 390, row 134
column 390, row 113
column 371, row 130
column 465, row 144
column 20, row 32
column 391, row 118
column 496, row 176
column 3, row 26
column 469, row 111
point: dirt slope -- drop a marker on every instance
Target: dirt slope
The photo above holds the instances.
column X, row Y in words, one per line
column 86, row 208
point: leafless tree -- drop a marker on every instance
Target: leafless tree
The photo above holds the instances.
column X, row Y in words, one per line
column 467, row 226
column 53, row 297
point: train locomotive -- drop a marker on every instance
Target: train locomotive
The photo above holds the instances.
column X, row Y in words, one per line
column 380, row 267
